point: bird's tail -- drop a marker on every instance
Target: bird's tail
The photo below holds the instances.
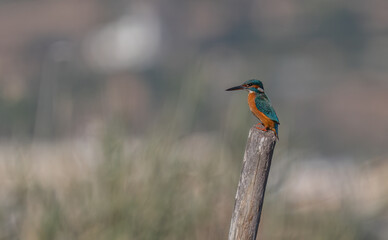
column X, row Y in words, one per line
column 277, row 130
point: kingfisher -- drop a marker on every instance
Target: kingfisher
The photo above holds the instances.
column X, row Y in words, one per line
column 260, row 105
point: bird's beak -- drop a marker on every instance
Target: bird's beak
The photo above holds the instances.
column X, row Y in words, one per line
column 235, row 88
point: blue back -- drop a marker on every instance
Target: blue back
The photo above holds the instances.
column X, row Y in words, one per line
column 264, row 105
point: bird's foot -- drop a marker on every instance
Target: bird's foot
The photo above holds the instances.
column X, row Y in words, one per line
column 263, row 129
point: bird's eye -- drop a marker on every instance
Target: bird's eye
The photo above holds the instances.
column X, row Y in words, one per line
column 250, row 84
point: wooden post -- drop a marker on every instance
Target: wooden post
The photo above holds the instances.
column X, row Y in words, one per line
column 251, row 187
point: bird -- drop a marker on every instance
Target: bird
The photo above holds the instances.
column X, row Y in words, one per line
column 260, row 105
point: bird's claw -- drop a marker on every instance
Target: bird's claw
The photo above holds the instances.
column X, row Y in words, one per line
column 263, row 129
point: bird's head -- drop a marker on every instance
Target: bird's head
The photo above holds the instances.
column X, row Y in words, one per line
column 252, row 85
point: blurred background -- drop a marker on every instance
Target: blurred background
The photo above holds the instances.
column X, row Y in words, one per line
column 114, row 122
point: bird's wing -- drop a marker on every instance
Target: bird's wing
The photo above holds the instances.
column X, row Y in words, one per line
column 265, row 106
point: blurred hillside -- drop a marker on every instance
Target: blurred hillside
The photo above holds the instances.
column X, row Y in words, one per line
column 123, row 102
column 67, row 66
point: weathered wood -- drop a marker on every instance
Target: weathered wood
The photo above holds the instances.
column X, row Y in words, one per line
column 251, row 187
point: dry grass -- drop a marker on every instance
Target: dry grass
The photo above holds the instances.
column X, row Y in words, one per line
column 171, row 188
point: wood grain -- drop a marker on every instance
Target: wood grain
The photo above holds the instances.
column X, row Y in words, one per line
column 251, row 188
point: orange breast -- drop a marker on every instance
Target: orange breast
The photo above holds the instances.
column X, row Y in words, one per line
column 268, row 123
